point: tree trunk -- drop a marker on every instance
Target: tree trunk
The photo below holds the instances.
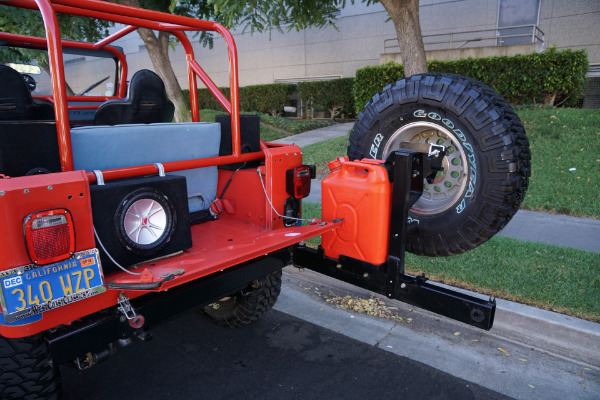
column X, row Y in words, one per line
column 405, row 15
column 46, row 67
column 158, row 50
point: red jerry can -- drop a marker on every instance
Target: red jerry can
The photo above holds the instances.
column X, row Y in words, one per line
column 360, row 193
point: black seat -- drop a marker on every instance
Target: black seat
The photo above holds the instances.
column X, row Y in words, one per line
column 16, row 102
column 146, row 102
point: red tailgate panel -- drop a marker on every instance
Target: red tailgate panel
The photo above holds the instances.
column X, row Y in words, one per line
column 24, row 195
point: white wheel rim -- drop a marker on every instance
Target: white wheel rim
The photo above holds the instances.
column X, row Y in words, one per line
column 449, row 184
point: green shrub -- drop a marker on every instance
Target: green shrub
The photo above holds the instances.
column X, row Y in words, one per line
column 551, row 77
column 206, row 100
column 268, row 98
column 372, row 80
column 292, row 126
column 333, row 95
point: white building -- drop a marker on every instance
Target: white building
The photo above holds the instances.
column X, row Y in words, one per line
column 460, row 28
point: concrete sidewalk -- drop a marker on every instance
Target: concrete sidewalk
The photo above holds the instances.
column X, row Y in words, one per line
column 317, row 135
column 558, row 230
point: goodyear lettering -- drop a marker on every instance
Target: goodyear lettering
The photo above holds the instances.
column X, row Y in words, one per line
column 448, row 123
column 375, row 146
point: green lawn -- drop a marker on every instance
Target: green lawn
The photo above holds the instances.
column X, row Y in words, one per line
column 554, row 278
column 565, row 148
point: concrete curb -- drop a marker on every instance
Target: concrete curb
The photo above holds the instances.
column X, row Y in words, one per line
column 559, row 335
column 562, row 335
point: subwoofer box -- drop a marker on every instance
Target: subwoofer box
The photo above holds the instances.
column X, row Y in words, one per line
column 250, row 137
column 140, row 219
column 28, row 147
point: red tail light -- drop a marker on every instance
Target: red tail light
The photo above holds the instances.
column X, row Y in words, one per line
column 49, row 235
column 298, row 181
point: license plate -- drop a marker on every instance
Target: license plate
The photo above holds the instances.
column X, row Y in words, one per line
column 32, row 289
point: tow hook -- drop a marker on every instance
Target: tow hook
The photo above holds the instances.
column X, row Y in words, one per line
column 134, row 320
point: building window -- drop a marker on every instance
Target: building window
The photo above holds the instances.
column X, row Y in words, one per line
column 517, row 21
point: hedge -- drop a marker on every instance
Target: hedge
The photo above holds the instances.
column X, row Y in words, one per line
column 263, row 98
column 268, row 98
column 333, row 95
column 551, row 77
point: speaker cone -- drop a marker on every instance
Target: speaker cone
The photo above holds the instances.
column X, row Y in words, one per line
column 145, row 221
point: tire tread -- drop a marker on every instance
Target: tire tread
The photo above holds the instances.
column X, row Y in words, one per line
column 26, row 371
column 246, row 309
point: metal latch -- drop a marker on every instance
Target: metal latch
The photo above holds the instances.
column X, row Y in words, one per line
column 125, row 307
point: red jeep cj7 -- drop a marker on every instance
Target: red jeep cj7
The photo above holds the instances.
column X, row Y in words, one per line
column 114, row 218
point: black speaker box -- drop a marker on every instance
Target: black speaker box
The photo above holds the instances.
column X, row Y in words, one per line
column 250, row 136
column 140, row 219
column 28, row 147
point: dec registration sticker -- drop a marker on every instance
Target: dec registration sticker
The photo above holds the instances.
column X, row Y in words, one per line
column 32, row 289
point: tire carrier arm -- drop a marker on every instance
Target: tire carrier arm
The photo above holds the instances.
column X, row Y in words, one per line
column 406, row 169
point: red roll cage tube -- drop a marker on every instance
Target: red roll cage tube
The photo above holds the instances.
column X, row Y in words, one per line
column 133, row 18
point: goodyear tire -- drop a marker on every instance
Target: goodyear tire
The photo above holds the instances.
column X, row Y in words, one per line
column 248, row 305
column 486, row 171
column 26, row 371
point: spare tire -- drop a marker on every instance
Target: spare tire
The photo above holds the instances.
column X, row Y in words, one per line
column 486, row 171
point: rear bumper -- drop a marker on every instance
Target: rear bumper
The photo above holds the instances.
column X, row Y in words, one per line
column 95, row 332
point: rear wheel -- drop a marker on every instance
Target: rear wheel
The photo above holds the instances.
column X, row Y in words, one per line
column 247, row 305
column 26, row 371
column 486, row 170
